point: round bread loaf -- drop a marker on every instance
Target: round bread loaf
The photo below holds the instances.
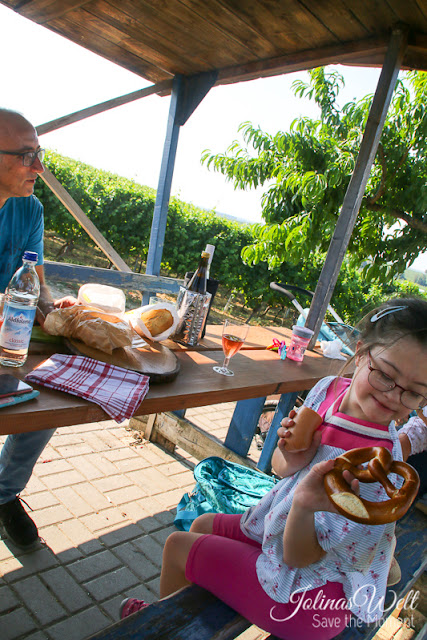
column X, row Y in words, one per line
column 157, row 320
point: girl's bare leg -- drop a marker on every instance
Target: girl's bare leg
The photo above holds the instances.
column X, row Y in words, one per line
column 203, row 524
column 175, row 554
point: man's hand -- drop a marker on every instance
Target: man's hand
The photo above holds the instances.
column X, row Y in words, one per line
column 46, row 305
column 67, row 301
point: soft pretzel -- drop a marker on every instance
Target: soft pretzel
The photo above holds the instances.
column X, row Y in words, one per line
column 380, row 464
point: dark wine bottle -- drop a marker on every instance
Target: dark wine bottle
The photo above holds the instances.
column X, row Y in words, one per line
column 198, row 282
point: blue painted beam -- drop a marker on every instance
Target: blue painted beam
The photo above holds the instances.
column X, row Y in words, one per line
column 243, row 424
column 158, row 227
column 187, row 93
column 286, row 403
column 80, row 274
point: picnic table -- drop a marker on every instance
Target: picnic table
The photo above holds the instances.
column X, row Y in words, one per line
column 258, row 373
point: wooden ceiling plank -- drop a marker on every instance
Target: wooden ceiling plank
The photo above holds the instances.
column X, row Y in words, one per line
column 158, row 50
column 43, row 11
column 176, row 21
column 414, row 60
column 343, row 53
column 109, row 50
column 282, row 21
column 337, row 19
column 171, row 65
column 218, row 36
column 232, row 26
column 410, row 12
column 149, row 29
column 371, row 13
column 281, row 29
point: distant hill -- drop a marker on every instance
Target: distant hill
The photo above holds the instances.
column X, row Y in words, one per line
column 413, row 275
column 221, row 214
column 233, row 218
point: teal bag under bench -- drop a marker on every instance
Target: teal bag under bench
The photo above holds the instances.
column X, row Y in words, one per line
column 221, row 487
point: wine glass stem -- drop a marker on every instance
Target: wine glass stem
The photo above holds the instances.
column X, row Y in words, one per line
column 225, row 363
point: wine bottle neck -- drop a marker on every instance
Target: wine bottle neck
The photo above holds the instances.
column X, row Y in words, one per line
column 198, row 282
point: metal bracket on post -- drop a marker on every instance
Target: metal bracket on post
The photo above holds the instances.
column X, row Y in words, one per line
column 187, row 93
column 357, row 184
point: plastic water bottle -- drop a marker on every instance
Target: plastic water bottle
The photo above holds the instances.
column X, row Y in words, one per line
column 19, row 311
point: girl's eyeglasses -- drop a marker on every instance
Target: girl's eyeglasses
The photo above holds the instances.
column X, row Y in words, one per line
column 382, row 382
column 28, row 157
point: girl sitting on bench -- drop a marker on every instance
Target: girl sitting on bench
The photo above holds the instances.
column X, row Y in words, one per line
column 292, row 565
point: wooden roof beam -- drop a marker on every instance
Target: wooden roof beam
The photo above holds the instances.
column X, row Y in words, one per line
column 337, row 54
column 87, row 224
column 161, row 88
column 357, row 185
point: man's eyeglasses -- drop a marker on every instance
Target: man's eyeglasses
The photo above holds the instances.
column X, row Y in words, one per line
column 28, row 157
column 382, row 382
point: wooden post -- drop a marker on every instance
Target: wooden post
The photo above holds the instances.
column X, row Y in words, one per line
column 169, row 431
column 77, row 213
column 187, row 93
column 357, row 185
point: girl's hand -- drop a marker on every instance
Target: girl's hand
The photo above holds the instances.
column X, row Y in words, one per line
column 286, row 429
column 310, row 493
column 295, row 460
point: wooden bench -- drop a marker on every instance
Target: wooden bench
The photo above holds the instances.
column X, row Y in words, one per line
column 195, row 614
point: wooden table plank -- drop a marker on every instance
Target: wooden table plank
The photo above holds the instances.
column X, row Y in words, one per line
column 257, row 373
column 258, row 337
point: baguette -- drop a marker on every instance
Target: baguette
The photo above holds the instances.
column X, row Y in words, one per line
column 95, row 328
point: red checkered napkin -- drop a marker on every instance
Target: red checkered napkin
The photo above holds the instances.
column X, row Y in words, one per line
column 118, row 391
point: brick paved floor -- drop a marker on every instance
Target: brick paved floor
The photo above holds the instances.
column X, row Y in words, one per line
column 104, row 502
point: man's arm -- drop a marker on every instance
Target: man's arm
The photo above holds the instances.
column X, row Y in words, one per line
column 45, row 304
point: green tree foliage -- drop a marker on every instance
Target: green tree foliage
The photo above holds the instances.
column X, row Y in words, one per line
column 307, row 170
column 122, row 210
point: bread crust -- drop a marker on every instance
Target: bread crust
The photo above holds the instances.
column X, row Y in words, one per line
column 95, row 328
column 380, row 464
column 157, row 320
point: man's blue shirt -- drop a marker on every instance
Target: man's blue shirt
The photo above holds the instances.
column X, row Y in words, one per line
column 21, row 229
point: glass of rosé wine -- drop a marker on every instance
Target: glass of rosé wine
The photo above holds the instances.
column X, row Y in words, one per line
column 233, row 336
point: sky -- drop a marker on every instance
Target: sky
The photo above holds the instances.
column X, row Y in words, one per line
column 48, row 76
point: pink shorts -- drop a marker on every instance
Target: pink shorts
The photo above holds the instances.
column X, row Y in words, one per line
column 224, row 563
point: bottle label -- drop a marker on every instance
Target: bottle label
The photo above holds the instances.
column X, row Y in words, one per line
column 17, row 324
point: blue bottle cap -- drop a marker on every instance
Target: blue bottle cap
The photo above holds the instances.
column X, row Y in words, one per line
column 30, row 255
